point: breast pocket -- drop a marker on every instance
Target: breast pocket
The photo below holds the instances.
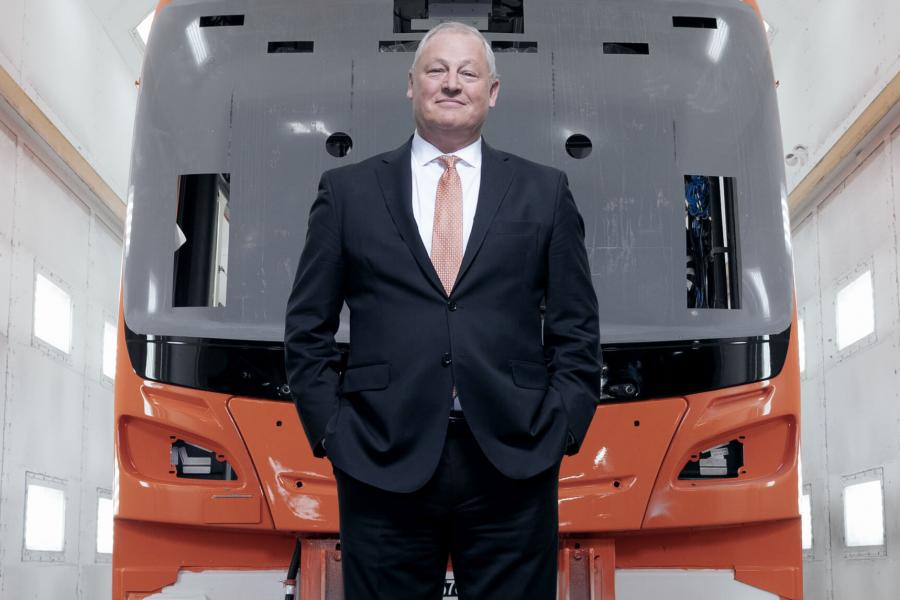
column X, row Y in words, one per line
column 511, row 248
column 366, row 377
column 514, row 228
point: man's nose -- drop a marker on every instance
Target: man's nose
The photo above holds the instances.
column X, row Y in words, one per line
column 451, row 81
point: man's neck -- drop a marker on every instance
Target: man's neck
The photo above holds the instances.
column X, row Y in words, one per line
column 448, row 144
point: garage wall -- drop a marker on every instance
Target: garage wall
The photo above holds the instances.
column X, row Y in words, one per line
column 851, row 397
column 56, row 407
column 61, row 56
column 832, row 58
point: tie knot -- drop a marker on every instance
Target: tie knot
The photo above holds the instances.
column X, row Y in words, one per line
column 448, row 160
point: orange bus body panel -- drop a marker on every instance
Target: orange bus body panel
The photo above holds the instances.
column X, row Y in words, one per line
column 165, row 524
column 606, row 486
column 299, row 487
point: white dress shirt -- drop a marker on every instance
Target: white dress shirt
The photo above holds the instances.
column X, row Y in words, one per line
column 426, row 171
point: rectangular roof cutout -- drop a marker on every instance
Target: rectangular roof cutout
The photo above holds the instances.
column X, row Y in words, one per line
column 514, row 46
column 222, row 21
column 626, row 48
column 289, row 47
column 696, row 22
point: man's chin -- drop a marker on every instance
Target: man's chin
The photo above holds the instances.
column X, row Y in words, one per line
column 447, row 125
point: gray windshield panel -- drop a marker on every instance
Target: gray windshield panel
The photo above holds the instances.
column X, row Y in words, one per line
column 702, row 102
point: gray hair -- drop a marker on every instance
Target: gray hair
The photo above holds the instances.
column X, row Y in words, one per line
column 458, row 27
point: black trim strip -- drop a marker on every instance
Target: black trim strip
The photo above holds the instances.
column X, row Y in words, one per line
column 521, row 47
column 222, row 21
column 696, row 22
column 635, row 372
column 626, row 48
column 398, row 45
column 290, row 47
column 665, row 369
column 234, row 367
column 496, row 46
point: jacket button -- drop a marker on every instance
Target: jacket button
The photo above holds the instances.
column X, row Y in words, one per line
column 451, row 305
column 446, row 360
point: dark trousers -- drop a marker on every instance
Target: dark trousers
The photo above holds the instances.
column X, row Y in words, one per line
column 501, row 534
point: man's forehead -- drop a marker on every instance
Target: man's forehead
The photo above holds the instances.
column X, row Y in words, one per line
column 462, row 61
column 471, row 49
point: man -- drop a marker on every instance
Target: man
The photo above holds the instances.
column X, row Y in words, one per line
column 448, row 425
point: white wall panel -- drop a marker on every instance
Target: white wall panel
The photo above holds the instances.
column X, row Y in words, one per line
column 894, row 154
column 863, row 409
column 11, row 29
column 44, row 415
column 853, row 223
column 53, row 225
column 97, row 446
column 34, row 580
column 851, row 398
column 814, row 437
column 56, row 408
column 95, row 582
column 806, row 260
column 105, row 257
column 832, row 58
column 119, row 18
column 675, row 584
column 5, row 277
column 7, row 180
column 4, row 354
column 62, row 57
column 94, row 578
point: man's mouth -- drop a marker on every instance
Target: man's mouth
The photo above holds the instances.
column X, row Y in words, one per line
column 450, row 102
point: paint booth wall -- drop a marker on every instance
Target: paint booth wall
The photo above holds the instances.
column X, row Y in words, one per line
column 56, row 407
column 831, row 58
column 851, row 413
column 60, row 54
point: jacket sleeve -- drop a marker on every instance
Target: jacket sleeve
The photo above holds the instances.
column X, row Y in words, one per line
column 312, row 358
column 571, row 323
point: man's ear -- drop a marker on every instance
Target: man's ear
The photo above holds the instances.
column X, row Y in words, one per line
column 495, row 90
column 409, row 86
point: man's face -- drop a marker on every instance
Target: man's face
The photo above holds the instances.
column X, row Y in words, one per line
column 450, row 87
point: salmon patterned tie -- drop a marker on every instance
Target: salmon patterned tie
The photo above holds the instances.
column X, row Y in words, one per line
column 447, row 234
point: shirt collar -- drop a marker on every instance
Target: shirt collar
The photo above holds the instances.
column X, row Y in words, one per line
column 423, row 152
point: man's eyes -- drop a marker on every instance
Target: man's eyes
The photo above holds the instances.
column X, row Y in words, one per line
column 466, row 74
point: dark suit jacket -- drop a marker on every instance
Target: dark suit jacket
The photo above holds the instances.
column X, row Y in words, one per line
column 523, row 384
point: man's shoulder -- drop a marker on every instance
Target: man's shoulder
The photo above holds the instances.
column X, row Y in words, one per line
column 369, row 164
column 525, row 166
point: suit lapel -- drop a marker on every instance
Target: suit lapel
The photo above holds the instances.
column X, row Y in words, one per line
column 496, row 176
column 395, row 179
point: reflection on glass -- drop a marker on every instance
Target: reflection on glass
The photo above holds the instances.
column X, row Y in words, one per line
column 762, row 295
column 299, row 127
column 197, row 43
column 717, row 42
